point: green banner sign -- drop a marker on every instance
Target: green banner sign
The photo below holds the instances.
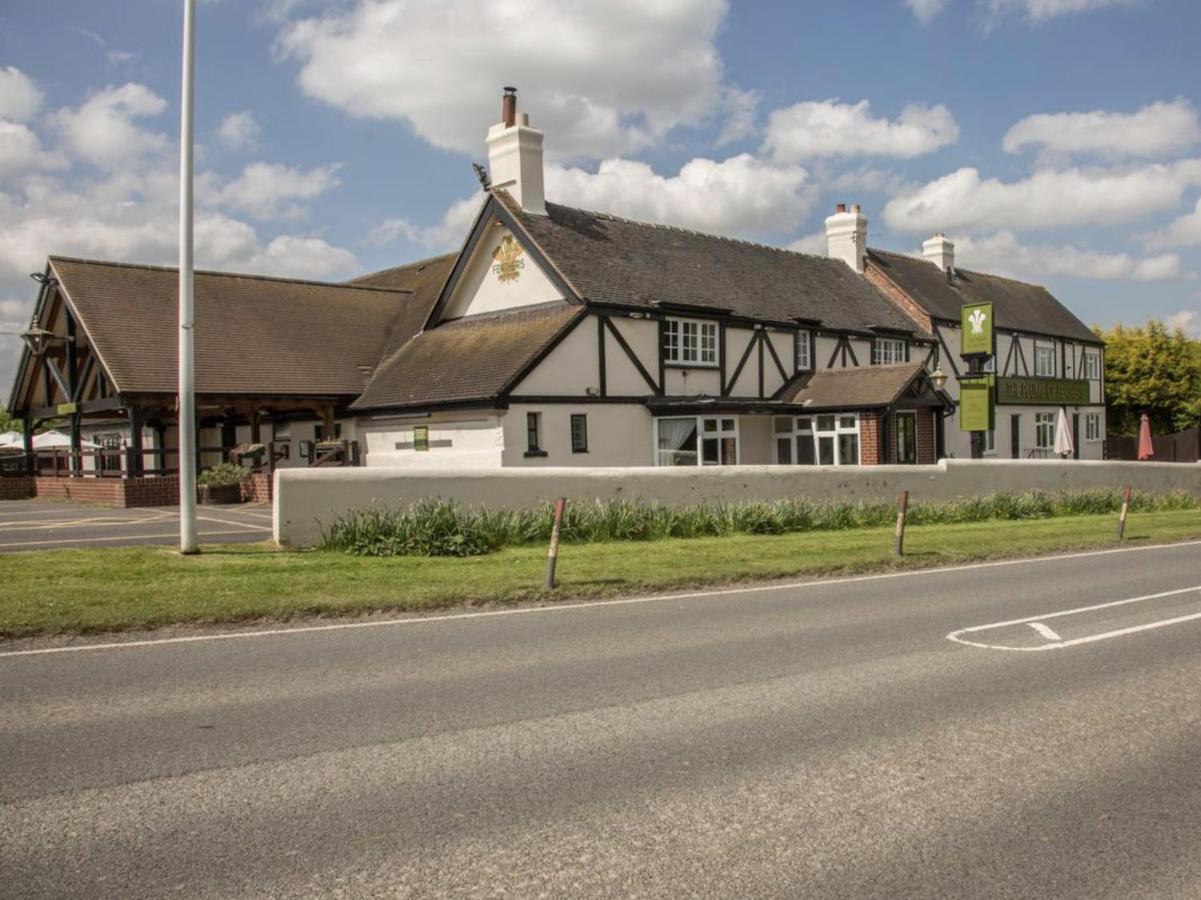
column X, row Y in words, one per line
column 975, row 405
column 1043, row 391
column 975, row 323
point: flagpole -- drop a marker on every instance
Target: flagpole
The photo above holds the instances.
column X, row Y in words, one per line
column 188, row 542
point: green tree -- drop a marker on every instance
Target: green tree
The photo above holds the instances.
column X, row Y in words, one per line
column 1153, row 369
column 7, row 422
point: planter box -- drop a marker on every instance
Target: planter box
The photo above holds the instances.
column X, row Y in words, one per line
column 219, row 493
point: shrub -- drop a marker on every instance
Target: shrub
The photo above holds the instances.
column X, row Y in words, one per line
column 441, row 528
column 223, row 474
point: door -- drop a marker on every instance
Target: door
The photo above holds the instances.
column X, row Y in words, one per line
column 907, row 439
column 1015, row 437
column 1075, row 435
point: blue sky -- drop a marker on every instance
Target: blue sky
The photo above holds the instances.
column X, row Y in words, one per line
column 1054, row 140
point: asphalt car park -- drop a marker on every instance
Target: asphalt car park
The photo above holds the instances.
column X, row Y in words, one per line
column 49, row 525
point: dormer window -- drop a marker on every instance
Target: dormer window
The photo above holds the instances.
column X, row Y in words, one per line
column 690, row 342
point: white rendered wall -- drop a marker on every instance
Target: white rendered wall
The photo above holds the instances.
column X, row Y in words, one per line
column 480, row 289
column 466, row 440
column 619, row 434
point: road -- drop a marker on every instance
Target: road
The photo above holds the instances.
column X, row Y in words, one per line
column 847, row 738
column 53, row 525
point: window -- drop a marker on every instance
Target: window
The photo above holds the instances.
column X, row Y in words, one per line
column 579, row 433
column 1092, row 366
column 990, row 442
column 906, row 449
column 690, row 342
column 533, row 434
column 828, row 440
column 1044, row 430
column 1092, row 427
column 678, row 441
column 1044, row 362
column 886, row 351
column 804, row 360
column 421, row 438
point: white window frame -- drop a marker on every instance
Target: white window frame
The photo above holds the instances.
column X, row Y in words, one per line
column 990, row 443
column 1092, row 427
column 1044, row 427
column 691, row 342
column 888, row 351
column 803, row 361
column 702, row 434
column 1039, row 352
column 806, row 426
column 1092, row 366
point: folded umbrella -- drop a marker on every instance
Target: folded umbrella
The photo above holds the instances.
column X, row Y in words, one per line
column 1146, row 448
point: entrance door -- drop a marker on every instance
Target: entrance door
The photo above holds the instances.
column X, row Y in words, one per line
column 1075, row 435
column 1015, row 437
column 907, row 438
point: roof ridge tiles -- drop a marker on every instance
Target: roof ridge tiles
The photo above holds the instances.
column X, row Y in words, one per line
column 917, row 258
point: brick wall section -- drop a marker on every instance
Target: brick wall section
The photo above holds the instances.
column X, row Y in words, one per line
column 869, row 439
column 898, row 296
column 257, row 488
column 16, row 487
column 926, row 452
column 116, row 492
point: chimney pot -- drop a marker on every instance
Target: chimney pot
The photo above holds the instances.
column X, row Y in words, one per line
column 841, row 207
column 508, row 107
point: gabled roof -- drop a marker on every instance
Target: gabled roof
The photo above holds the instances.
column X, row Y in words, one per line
column 1017, row 306
column 254, row 334
column 474, row 358
column 850, row 388
column 617, row 261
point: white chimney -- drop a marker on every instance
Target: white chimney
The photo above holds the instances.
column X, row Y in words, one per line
column 941, row 252
column 515, row 156
column 846, row 236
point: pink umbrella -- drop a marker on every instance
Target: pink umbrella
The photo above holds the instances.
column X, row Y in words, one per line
column 1146, row 449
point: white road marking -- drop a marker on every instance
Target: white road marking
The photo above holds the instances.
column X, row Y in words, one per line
column 601, row 604
column 1035, row 622
column 1045, row 630
column 228, row 522
column 249, row 529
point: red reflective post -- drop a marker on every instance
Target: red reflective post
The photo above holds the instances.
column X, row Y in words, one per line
column 902, row 505
column 1122, row 514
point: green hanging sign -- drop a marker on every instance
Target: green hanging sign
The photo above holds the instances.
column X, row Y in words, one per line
column 975, row 328
column 975, row 405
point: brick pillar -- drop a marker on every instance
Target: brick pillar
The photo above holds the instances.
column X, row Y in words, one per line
column 927, row 454
column 869, row 439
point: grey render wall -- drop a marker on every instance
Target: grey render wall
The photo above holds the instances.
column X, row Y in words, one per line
column 307, row 499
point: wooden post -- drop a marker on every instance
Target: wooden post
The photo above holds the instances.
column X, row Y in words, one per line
column 553, row 555
column 256, row 423
column 1122, row 514
column 27, row 434
column 902, row 506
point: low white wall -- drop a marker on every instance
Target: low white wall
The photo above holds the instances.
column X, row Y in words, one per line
column 305, row 499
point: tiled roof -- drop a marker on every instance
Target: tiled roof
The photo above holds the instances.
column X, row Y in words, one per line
column 862, row 386
column 267, row 336
column 468, row 359
column 1017, row 306
column 425, row 279
column 617, row 261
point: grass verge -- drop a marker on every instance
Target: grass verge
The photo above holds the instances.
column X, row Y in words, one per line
column 80, row 591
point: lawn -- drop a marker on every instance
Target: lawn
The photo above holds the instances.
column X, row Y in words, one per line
column 79, row 591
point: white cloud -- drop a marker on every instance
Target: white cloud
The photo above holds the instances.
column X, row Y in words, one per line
column 20, row 98
column 302, row 257
column 1185, row 231
column 1157, row 130
column 102, row 130
column 926, row 10
column 1035, row 12
column 448, row 233
column 814, row 244
column 829, row 128
column 739, row 195
column 269, row 190
column 22, row 152
column 1187, row 320
column 1048, row 198
column 1002, row 253
column 239, row 131
column 599, row 78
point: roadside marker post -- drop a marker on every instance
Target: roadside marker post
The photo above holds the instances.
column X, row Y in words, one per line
column 552, row 555
column 1122, row 514
column 902, row 507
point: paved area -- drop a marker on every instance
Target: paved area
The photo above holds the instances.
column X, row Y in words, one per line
column 913, row 735
column 48, row 525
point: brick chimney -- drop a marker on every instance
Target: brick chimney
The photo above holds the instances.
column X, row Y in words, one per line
column 515, row 156
column 941, row 252
column 846, row 236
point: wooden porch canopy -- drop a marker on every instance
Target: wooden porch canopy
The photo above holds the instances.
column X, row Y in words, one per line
column 103, row 344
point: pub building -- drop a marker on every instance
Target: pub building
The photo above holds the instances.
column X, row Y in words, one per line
column 559, row 336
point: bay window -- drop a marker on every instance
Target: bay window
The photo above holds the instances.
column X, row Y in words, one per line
column 696, row 441
column 826, row 439
column 690, row 342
